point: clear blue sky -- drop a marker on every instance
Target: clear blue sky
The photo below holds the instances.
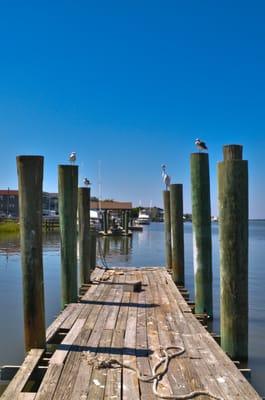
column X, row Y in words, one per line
column 132, row 83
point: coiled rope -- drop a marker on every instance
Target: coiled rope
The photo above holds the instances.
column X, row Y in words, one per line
column 156, row 375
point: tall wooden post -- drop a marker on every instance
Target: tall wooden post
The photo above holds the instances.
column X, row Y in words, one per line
column 84, row 234
column 30, row 177
column 93, row 249
column 68, row 181
column 177, row 235
column 123, row 219
column 105, row 221
column 126, row 219
column 166, row 196
column 109, row 218
column 202, row 240
column 233, row 223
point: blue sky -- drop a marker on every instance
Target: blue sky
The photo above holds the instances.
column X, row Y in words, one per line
column 132, row 83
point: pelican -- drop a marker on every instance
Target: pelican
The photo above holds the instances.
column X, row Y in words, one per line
column 72, row 157
column 86, row 182
column 166, row 178
column 200, row 145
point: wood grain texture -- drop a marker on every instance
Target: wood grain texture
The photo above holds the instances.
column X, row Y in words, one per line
column 131, row 328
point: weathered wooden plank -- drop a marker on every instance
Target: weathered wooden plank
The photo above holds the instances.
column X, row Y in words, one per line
column 225, row 370
column 49, row 383
column 26, row 396
column 113, row 382
column 178, row 383
column 69, row 322
column 152, row 331
column 130, row 327
column 53, row 328
column 81, row 386
column 61, row 353
column 99, row 376
column 18, row 382
column 130, row 381
column 114, row 376
column 142, row 350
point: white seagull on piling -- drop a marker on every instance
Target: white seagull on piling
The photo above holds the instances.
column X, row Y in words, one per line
column 166, row 178
column 72, row 157
column 200, row 145
column 86, row 182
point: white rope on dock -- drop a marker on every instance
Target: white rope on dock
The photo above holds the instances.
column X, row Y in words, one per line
column 156, row 376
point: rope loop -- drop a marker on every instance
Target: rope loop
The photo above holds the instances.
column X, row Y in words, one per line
column 156, row 376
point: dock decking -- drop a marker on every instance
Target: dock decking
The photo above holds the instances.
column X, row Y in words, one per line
column 113, row 322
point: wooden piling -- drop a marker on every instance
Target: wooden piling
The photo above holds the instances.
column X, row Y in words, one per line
column 105, row 222
column 167, row 223
column 126, row 220
column 202, row 241
column 68, row 181
column 30, row 177
column 177, row 235
column 84, row 234
column 93, row 249
column 233, row 224
column 123, row 219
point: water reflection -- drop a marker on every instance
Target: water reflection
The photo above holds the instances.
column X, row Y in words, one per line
column 9, row 244
column 117, row 249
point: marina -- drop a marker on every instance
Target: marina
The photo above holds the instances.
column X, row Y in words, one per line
column 132, row 225
column 109, row 314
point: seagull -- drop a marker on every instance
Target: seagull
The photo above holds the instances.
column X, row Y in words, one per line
column 200, row 145
column 86, row 182
column 166, row 178
column 72, row 157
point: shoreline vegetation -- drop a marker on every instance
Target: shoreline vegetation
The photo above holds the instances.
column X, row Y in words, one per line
column 9, row 226
column 12, row 226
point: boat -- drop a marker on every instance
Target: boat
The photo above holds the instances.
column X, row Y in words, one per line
column 95, row 220
column 143, row 218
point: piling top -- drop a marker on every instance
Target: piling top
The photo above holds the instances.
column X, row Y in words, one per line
column 175, row 185
column 28, row 159
column 66, row 166
column 200, row 154
column 233, row 152
column 30, row 156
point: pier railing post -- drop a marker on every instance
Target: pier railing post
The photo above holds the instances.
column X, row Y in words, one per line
column 177, row 235
column 233, row 223
column 68, row 182
column 84, row 234
column 202, row 240
column 167, row 223
column 30, row 177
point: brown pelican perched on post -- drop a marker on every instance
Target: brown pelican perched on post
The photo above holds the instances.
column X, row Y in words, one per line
column 72, row 157
column 166, row 178
column 201, row 146
column 86, row 182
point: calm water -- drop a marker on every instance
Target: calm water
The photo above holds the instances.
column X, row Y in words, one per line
column 143, row 249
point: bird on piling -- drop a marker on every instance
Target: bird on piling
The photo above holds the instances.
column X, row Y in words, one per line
column 72, row 157
column 86, row 182
column 201, row 146
column 166, row 178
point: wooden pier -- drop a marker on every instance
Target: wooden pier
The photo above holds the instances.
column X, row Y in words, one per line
column 115, row 325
